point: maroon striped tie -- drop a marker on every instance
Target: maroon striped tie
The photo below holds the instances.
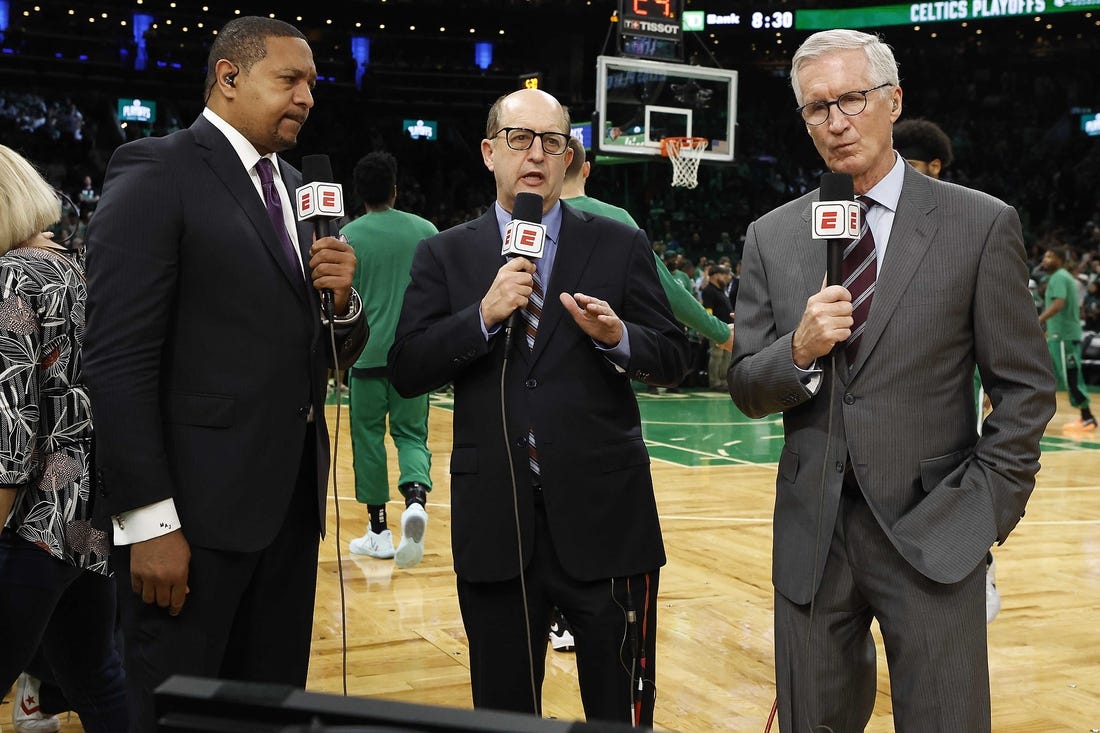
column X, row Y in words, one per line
column 858, row 273
column 531, row 315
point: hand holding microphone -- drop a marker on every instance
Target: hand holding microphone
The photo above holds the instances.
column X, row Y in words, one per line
column 332, row 260
column 827, row 319
column 524, row 239
column 509, row 292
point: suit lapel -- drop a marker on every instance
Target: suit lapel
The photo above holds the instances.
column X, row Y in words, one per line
column 223, row 160
column 576, row 243
column 910, row 236
column 813, row 266
column 292, row 179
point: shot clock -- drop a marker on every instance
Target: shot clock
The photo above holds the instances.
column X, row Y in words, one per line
column 651, row 18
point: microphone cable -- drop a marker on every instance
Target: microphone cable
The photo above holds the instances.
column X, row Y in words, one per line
column 519, row 532
column 330, row 321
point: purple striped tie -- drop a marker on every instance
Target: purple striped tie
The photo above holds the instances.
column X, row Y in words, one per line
column 858, row 273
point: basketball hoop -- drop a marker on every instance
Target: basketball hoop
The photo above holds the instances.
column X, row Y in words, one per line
column 685, row 154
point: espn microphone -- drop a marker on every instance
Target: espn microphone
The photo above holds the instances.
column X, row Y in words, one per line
column 524, row 236
column 836, row 220
column 321, row 201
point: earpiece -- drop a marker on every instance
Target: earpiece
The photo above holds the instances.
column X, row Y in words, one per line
column 229, row 82
column 895, row 102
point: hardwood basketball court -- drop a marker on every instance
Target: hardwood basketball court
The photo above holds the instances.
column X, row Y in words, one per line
column 714, row 471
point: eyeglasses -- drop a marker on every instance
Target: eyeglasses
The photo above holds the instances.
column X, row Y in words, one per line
column 520, row 138
column 850, row 103
column 67, row 204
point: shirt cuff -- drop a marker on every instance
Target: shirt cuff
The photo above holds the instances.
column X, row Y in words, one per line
column 145, row 523
column 619, row 354
column 810, row 377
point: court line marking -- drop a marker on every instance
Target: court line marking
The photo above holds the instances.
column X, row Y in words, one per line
column 707, row 454
column 762, row 520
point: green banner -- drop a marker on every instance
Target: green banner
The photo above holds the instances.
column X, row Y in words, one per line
column 939, row 11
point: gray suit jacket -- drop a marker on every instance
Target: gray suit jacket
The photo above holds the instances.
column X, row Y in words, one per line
column 951, row 294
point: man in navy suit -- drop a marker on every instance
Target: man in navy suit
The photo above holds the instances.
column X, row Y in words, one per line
column 206, row 358
column 555, row 506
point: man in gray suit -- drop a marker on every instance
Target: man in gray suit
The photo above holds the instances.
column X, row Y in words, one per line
column 886, row 497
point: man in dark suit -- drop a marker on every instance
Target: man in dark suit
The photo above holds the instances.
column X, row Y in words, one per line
column 557, row 505
column 887, row 499
column 206, row 358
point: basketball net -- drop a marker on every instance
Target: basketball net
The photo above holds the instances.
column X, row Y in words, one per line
column 685, row 154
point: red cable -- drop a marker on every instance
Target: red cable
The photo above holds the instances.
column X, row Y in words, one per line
column 775, row 706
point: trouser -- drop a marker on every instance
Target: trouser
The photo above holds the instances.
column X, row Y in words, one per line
column 70, row 613
column 616, row 682
column 1066, row 356
column 934, row 634
column 248, row 615
column 372, row 398
column 717, row 367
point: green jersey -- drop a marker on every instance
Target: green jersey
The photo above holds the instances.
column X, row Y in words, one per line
column 384, row 243
column 1066, row 323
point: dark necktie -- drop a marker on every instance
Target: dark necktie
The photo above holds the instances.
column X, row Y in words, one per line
column 275, row 214
column 531, row 315
column 858, row 271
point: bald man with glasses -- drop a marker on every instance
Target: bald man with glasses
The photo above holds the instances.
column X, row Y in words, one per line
column 552, row 498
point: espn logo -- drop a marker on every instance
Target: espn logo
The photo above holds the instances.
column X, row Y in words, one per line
column 320, row 199
column 835, row 219
column 523, row 238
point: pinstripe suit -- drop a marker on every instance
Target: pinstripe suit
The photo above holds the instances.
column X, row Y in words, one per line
column 926, row 496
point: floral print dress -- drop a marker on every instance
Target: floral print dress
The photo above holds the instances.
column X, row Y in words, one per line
column 45, row 415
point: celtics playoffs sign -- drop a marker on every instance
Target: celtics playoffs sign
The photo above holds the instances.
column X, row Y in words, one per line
column 938, row 11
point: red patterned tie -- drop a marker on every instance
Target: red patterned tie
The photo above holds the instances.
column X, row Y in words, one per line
column 858, row 273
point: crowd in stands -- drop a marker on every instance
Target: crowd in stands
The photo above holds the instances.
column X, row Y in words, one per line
column 1013, row 121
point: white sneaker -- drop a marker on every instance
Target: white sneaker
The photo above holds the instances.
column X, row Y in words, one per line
column 561, row 636
column 992, row 595
column 374, row 544
column 414, row 521
column 26, row 716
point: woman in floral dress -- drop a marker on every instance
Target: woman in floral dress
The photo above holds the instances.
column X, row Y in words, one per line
column 56, row 587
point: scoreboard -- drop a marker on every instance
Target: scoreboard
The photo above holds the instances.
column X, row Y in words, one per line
column 764, row 17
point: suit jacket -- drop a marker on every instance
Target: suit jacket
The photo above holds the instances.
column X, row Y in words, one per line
column 597, row 487
column 951, row 293
column 205, row 352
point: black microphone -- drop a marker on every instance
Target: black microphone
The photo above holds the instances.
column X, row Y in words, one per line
column 524, row 236
column 836, row 220
column 322, row 201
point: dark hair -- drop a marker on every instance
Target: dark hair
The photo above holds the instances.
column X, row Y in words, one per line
column 922, row 140
column 375, row 177
column 577, row 163
column 244, row 42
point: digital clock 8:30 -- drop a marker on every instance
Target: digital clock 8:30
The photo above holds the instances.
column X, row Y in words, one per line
column 773, row 20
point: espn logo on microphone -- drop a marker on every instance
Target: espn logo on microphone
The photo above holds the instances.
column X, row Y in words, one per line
column 835, row 219
column 524, row 239
column 320, row 199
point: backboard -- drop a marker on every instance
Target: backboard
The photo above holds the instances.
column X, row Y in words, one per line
column 638, row 102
